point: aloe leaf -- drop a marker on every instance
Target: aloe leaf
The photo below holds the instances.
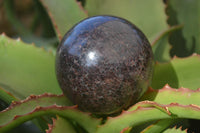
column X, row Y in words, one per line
column 26, row 69
column 59, row 125
column 186, row 12
column 138, row 12
column 64, row 15
column 5, row 100
column 175, row 130
column 161, row 47
column 35, row 106
column 168, row 95
column 136, row 117
column 30, row 103
column 179, row 72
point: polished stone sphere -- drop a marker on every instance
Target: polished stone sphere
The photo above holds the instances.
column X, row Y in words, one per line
column 104, row 64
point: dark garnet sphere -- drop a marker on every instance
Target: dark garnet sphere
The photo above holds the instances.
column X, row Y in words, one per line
column 104, row 64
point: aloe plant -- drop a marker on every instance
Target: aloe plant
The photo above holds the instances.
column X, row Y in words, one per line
column 30, row 97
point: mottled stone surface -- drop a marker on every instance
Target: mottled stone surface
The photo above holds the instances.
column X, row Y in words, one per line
column 104, row 64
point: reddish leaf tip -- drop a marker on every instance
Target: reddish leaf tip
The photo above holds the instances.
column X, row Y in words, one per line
column 125, row 129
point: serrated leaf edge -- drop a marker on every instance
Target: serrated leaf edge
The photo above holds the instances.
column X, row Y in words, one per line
column 180, row 128
column 24, row 43
column 168, row 88
column 127, row 113
column 30, row 98
column 39, row 108
column 54, row 109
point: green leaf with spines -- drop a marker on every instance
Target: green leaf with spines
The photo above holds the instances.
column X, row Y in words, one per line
column 35, row 106
column 167, row 95
column 30, row 103
column 26, row 69
column 167, row 103
column 179, row 72
column 41, row 105
column 133, row 118
column 175, row 130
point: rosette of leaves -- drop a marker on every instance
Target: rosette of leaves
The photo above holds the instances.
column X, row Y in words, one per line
column 31, row 100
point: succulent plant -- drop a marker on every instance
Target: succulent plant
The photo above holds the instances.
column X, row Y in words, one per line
column 31, row 99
